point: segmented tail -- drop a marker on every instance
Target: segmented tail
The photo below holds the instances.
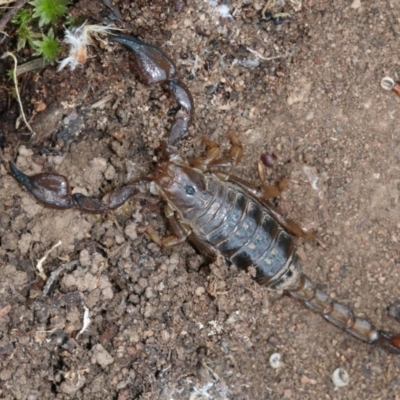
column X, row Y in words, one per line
column 341, row 316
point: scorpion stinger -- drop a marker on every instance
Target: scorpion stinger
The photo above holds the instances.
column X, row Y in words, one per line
column 155, row 67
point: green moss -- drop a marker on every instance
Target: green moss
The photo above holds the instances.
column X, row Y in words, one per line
column 48, row 11
column 24, row 31
column 48, row 47
column 30, row 21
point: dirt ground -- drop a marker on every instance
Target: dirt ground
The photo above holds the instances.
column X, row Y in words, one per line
column 167, row 324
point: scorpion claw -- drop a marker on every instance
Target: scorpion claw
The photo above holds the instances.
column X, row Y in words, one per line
column 179, row 128
column 183, row 118
column 115, row 199
column 50, row 189
column 154, row 66
column 88, row 204
column 53, row 190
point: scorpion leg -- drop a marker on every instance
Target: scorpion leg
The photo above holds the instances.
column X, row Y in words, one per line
column 212, row 163
column 183, row 232
column 53, row 190
column 213, row 153
column 155, row 67
column 180, row 230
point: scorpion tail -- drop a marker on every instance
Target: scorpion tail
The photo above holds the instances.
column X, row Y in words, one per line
column 341, row 316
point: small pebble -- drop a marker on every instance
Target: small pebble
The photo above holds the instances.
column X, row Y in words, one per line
column 356, row 4
column 131, row 231
column 340, row 377
column 387, row 83
column 275, row 360
column 110, row 173
column 23, row 151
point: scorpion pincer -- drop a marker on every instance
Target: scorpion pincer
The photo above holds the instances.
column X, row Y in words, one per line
column 155, row 67
column 220, row 214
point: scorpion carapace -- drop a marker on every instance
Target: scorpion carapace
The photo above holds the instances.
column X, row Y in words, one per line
column 218, row 212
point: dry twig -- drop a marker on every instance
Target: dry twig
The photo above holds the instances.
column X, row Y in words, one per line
column 39, row 265
column 9, row 54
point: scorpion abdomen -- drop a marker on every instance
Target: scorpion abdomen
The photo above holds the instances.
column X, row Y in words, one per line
column 241, row 229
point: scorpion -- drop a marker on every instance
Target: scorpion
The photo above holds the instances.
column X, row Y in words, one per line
column 218, row 212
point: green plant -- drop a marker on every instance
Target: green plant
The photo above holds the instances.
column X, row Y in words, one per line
column 49, row 10
column 30, row 22
column 47, row 47
column 22, row 19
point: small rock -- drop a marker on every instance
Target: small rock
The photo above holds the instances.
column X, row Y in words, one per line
column 108, row 293
column 99, row 163
column 131, row 231
column 310, row 116
column 287, row 393
column 149, row 293
column 200, row 291
column 68, row 281
column 110, row 173
column 98, row 263
column 73, row 382
column 356, row 4
column 89, row 282
column 394, row 310
column 6, row 374
column 165, row 336
column 24, row 244
column 300, row 93
column 143, row 283
column 84, row 258
column 23, row 151
column 101, row 356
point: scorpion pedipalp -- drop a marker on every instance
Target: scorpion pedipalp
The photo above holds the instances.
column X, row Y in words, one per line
column 50, row 189
column 53, row 190
column 155, row 67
